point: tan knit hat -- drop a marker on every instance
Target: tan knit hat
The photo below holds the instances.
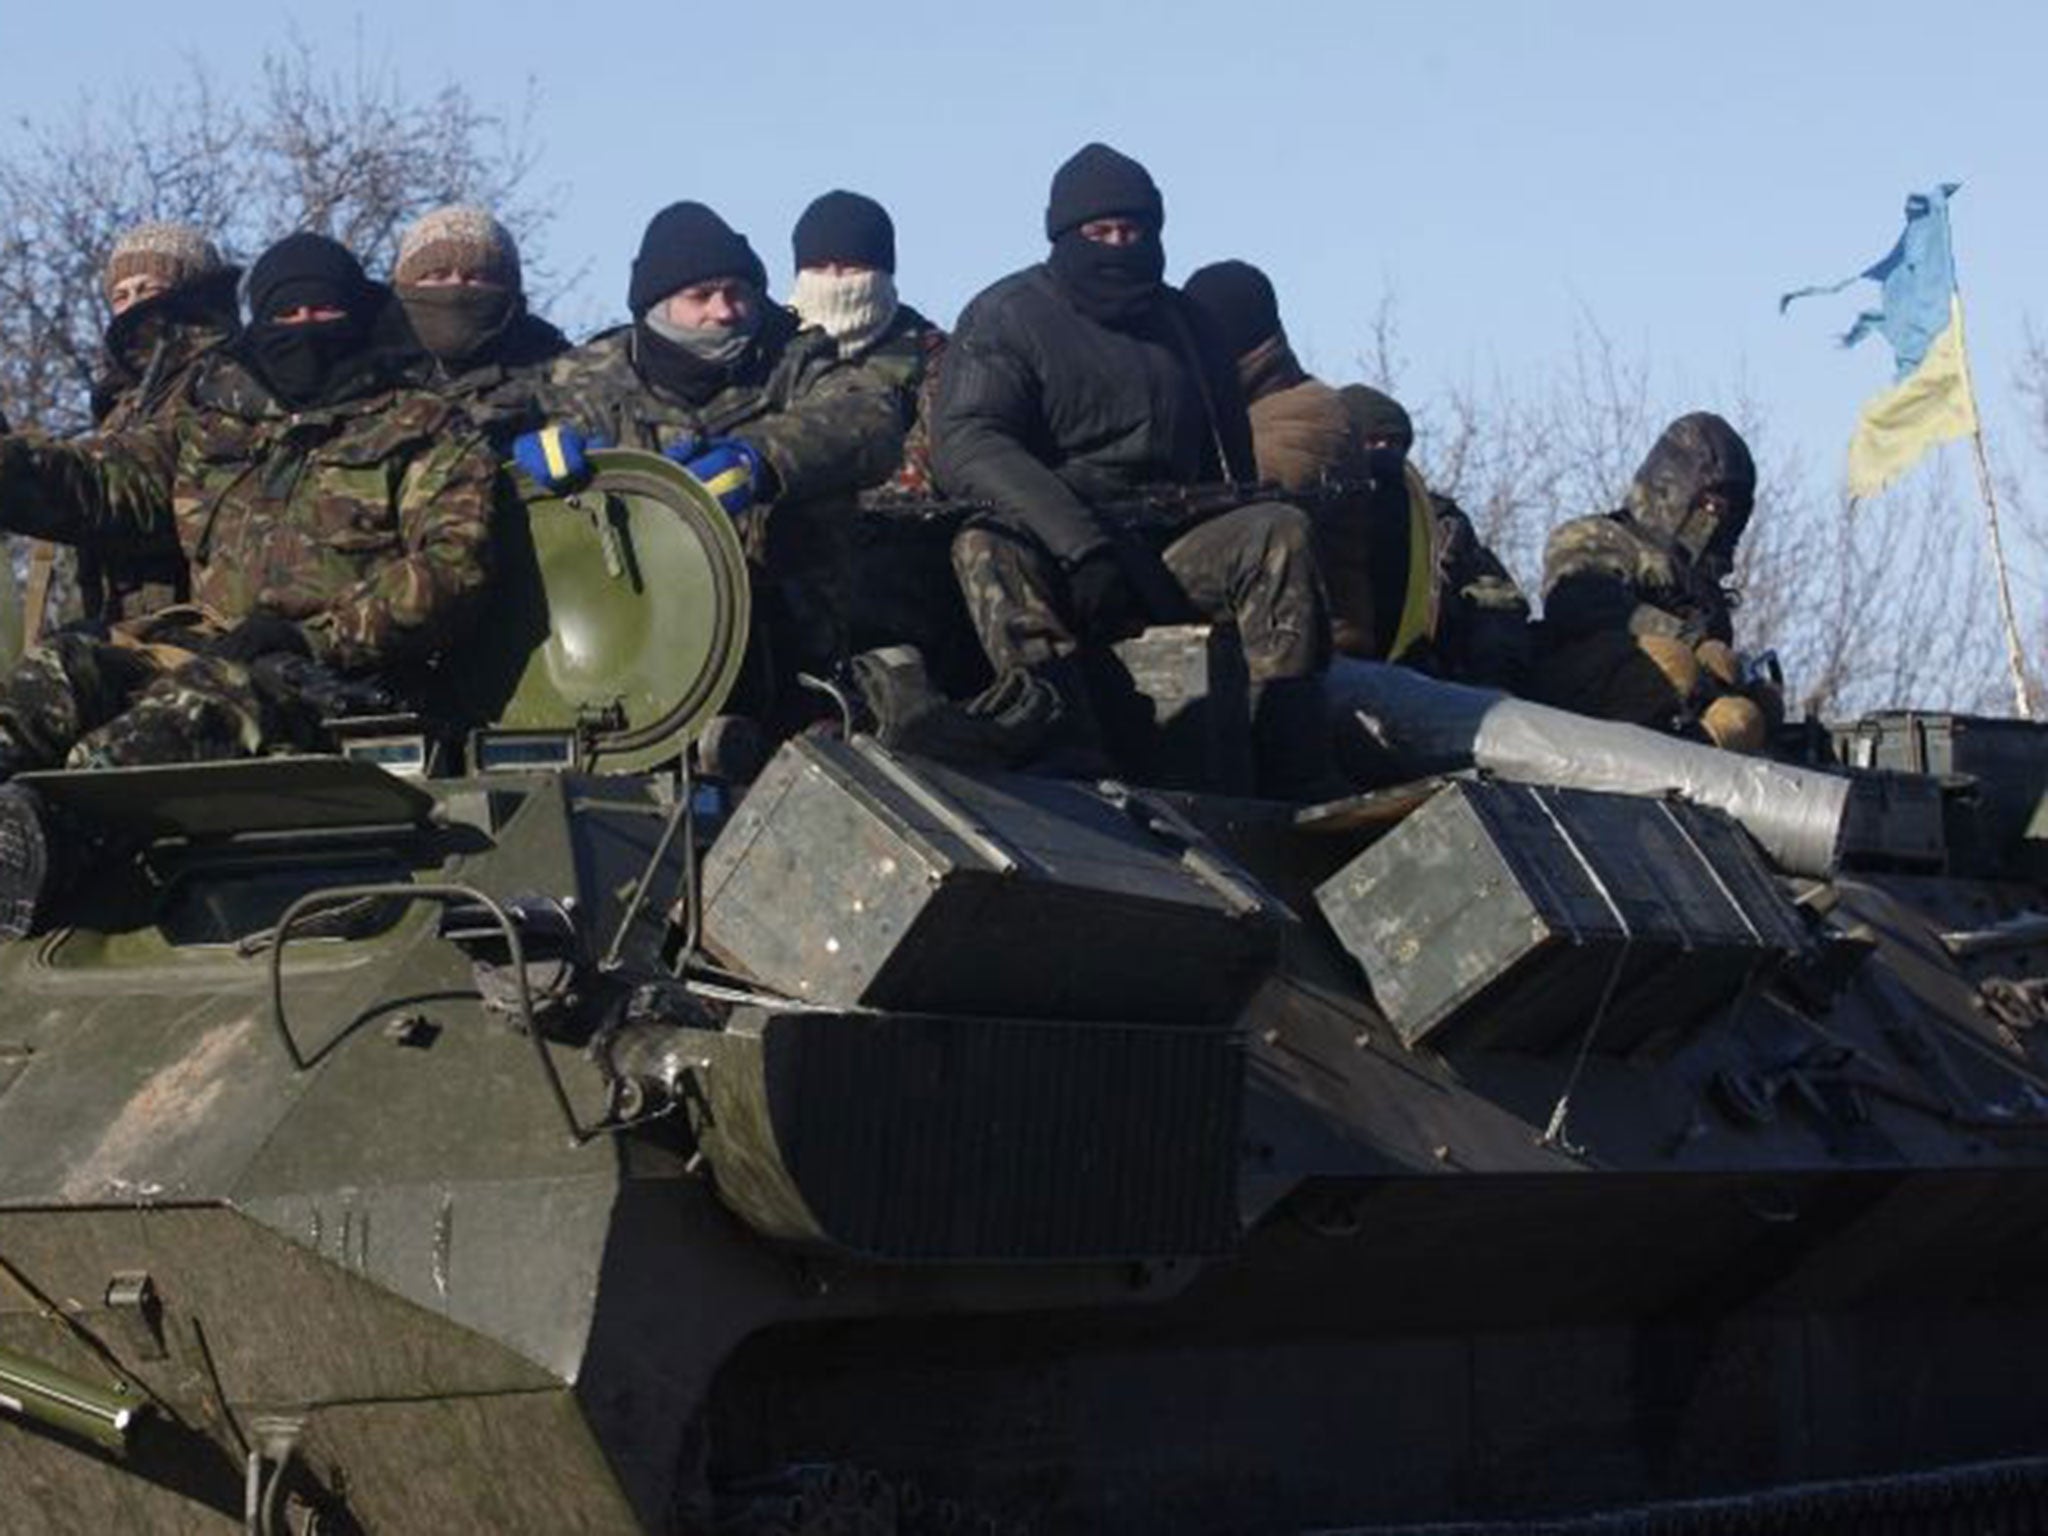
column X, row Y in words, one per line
column 177, row 253
column 458, row 237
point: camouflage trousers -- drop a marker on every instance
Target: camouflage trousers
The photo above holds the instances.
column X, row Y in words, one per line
column 80, row 702
column 1254, row 567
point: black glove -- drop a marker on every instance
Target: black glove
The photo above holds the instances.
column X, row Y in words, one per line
column 261, row 634
column 1106, row 605
column 296, row 682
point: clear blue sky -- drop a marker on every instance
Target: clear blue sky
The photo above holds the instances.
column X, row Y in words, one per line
column 1509, row 169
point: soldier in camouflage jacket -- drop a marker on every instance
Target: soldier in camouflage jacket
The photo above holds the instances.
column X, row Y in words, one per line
column 1637, row 614
column 760, row 408
column 462, row 294
column 326, row 518
column 173, row 301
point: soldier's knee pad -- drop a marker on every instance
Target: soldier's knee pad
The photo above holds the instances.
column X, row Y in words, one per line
column 971, row 546
column 1735, row 724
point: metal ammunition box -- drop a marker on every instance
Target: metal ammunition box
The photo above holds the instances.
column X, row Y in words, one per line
column 2005, row 763
column 1511, row 916
column 1894, row 821
column 852, row 876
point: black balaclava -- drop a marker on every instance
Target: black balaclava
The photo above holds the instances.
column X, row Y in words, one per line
column 323, row 361
column 1377, row 417
column 1238, row 300
column 1697, row 453
column 1115, row 284
column 686, row 244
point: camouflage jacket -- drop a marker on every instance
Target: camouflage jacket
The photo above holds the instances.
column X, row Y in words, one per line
column 500, row 394
column 150, row 354
column 1609, row 572
column 825, row 428
column 904, row 360
column 368, row 522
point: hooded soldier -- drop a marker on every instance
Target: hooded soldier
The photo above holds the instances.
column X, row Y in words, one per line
column 459, row 283
column 336, row 527
column 845, row 250
column 1637, row 608
column 1085, row 380
column 759, row 408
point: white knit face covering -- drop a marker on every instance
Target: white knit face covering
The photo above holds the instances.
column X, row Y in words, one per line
column 853, row 308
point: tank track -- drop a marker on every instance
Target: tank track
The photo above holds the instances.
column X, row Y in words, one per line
column 839, row 1499
column 2003, row 1498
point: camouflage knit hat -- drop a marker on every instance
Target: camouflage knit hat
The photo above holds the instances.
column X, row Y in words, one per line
column 177, row 253
column 458, row 237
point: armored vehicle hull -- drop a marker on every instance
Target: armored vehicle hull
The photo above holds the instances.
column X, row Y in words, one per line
column 559, row 1147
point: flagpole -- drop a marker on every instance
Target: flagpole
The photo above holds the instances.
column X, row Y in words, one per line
column 2015, row 656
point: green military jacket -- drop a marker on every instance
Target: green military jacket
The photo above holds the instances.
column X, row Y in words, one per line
column 904, row 360
column 151, row 353
column 367, row 522
column 501, row 392
column 1609, row 572
column 824, row 428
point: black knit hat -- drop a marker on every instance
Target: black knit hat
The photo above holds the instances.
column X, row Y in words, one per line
column 687, row 243
column 1375, row 414
column 1099, row 183
column 1238, row 300
column 848, row 228
column 303, row 270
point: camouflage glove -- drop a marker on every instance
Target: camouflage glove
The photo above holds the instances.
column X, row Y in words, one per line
column 553, row 456
column 261, row 634
column 732, row 471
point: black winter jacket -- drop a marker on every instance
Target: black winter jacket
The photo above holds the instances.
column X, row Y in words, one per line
column 1045, row 413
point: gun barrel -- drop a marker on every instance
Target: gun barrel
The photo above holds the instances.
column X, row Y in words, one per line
column 60, row 1400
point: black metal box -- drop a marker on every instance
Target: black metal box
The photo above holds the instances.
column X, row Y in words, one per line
column 1500, row 915
column 850, row 875
column 1999, row 807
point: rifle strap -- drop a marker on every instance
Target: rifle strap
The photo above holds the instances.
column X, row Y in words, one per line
column 1191, row 352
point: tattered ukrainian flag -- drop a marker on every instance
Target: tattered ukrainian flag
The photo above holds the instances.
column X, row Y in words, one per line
column 1922, row 317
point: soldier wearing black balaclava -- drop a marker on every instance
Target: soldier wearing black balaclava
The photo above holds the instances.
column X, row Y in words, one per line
column 1638, row 612
column 336, row 527
column 1079, row 382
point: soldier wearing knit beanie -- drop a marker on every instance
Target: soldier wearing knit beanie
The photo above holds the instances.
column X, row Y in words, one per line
column 173, row 302
column 152, row 259
column 460, row 285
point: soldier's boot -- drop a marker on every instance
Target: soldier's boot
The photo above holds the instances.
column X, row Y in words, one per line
column 29, row 862
column 1294, row 759
column 1072, row 746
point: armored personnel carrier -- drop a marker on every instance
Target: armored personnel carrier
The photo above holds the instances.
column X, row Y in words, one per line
column 1583, row 1132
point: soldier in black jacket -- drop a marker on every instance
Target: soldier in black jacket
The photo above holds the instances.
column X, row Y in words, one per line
column 1085, row 380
